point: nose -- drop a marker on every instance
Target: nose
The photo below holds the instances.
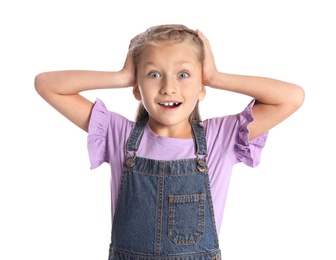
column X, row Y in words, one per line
column 168, row 87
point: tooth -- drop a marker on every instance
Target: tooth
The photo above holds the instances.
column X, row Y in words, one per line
column 171, row 103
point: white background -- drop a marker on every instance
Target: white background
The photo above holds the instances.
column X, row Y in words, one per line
column 54, row 207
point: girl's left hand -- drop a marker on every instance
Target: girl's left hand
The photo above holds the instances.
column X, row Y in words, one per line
column 209, row 66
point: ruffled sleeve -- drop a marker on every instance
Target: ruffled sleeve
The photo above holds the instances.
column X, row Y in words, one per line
column 249, row 152
column 97, row 136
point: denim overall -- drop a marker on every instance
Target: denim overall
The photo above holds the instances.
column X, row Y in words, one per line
column 164, row 209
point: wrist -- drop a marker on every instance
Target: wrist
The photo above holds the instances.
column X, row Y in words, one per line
column 126, row 78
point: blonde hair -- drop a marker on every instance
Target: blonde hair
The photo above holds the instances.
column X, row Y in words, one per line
column 166, row 32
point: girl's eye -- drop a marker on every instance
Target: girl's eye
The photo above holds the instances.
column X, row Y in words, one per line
column 183, row 75
column 154, row 74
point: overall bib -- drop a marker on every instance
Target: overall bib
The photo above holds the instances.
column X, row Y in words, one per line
column 164, row 209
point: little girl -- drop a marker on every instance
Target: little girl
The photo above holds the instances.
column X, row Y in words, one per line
column 170, row 170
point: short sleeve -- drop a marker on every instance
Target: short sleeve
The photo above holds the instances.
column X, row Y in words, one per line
column 97, row 134
column 248, row 152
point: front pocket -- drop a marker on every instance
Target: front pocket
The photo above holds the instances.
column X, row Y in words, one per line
column 186, row 218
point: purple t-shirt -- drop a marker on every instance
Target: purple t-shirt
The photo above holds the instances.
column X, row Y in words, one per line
column 227, row 144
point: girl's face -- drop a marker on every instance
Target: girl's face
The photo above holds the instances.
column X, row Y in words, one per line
column 169, row 78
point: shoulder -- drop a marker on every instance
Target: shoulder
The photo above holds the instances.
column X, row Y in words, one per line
column 229, row 123
column 102, row 119
column 216, row 125
column 229, row 135
column 107, row 134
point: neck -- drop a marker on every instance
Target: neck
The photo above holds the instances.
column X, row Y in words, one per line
column 181, row 131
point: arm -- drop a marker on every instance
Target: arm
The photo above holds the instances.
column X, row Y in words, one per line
column 61, row 89
column 276, row 100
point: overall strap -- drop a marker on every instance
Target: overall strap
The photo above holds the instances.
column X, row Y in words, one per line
column 199, row 138
column 135, row 136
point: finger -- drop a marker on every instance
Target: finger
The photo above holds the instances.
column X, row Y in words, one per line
column 201, row 35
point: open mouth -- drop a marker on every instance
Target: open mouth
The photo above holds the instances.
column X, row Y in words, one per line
column 170, row 104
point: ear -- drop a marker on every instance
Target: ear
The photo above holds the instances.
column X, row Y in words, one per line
column 202, row 93
column 136, row 92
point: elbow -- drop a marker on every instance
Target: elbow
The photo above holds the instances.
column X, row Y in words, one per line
column 298, row 97
column 294, row 99
column 40, row 83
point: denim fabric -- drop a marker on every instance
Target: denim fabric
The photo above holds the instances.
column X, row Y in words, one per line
column 164, row 208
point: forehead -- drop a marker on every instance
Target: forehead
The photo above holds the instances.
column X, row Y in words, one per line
column 169, row 51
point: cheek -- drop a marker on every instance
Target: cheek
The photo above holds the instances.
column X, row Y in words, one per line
column 191, row 93
column 143, row 92
column 146, row 95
